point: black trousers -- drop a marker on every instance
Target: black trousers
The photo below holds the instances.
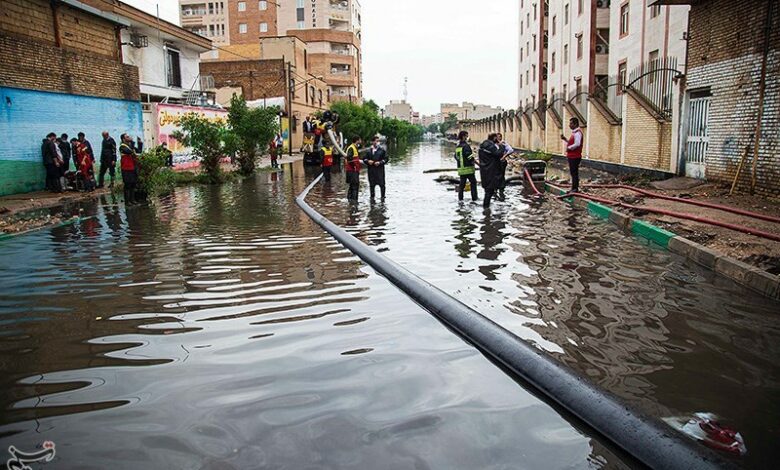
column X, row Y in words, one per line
column 574, row 171
column 353, row 179
column 489, row 193
column 326, row 174
column 130, row 181
column 53, row 178
column 106, row 166
column 472, row 178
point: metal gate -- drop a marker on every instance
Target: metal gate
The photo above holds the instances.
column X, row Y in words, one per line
column 698, row 137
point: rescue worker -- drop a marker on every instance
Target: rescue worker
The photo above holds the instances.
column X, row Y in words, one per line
column 327, row 162
column 464, row 156
column 375, row 161
column 574, row 153
column 107, row 160
column 352, row 168
column 129, row 166
column 490, row 167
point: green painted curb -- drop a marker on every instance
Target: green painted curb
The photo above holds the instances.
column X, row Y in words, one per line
column 599, row 210
column 655, row 234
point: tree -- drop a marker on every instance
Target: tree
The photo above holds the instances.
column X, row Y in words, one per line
column 449, row 122
column 358, row 120
column 433, row 128
column 207, row 140
column 249, row 133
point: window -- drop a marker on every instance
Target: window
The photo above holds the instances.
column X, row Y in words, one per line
column 655, row 11
column 242, row 28
column 211, row 8
column 533, row 70
column 565, row 53
column 521, row 54
column 554, row 24
column 622, row 68
column 624, row 20
column 578, row 89
column 527, row 48
column 526, row 78
column 652, row 59
column 521, row 27
column 527, row 20
column 263, row 27
column 566, row 14
column 263, row 5
column 564, row 91
column 552, row 60
column 534, row 8
column 173, row 68
column 241, row 6
column 320, row 93
column 534, row 36
column 579, row 46
column 301, row 25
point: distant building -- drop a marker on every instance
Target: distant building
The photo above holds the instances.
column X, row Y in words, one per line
column 432, row 119
column 468, row 111
column 532, row 52
column 399, row 109
column 207, row 19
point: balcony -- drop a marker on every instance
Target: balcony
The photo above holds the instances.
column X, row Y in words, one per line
column 338, row 70
column 340, row 50
column 602, row 17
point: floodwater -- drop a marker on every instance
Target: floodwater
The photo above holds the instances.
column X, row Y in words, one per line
column 668, row 336
column 222, row 329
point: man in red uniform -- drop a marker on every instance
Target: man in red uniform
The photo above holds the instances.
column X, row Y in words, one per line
column 574, row 153
column 352, row 167
column 129, row 164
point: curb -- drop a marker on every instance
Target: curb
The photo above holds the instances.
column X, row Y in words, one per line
column 744, row 274
column 72, row 220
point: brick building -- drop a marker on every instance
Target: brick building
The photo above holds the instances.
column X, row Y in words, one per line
column 733, row 77
column 282, row 73
column 61, row 71
column 330, row 28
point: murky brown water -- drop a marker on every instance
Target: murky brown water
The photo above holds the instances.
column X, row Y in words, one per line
column 648, row 325
column 222, row 329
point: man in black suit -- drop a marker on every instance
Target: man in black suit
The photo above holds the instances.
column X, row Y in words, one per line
column 375, row 160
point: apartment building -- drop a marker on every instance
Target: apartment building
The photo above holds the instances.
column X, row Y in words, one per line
column 330, row 28
column 399, row 109
column 468, row 111
column 532, row 78
column 206, row 18
column 578, row 51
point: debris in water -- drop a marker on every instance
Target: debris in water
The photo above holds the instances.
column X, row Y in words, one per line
column 706, row 428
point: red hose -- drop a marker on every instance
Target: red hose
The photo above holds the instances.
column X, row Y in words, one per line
column 680, row 215
column 710, row 205
column 533, row 186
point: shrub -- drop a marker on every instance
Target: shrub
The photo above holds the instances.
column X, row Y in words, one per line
column 207, row 139
column 154, row 178
column 249, row 133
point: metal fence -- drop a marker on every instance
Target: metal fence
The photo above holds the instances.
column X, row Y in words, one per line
column 610, row 94
column 579, row 100
column 556, row 103
column 654, row 80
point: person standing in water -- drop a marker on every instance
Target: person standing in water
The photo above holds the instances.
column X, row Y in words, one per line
column 375, row 161
column 128, row 163
column 352, row 168
column 504, row 163
column 464, row 156
column 490, row 167
column 327, row 161
column 574, row 153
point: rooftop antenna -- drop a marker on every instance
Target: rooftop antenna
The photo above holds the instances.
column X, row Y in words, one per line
column 406, row 89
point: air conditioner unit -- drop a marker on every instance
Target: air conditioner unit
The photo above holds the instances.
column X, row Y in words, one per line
column 602, row 3
column 601, row 49
column 137, row 40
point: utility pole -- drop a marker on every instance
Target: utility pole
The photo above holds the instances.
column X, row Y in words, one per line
column 290, row 94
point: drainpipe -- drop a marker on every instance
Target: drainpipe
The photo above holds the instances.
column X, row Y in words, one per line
column 761, row 91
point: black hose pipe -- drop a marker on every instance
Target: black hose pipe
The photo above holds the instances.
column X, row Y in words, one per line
column 648, row 440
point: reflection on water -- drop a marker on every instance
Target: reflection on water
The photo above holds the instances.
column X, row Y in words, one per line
column 646, row 324
column 222, row 329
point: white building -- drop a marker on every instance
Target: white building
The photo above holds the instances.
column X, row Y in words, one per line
column 167, row 58
column 399, row 109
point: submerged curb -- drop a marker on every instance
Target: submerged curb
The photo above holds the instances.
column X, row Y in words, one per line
column 744, row 274
column 646, row 439
column 72, row 220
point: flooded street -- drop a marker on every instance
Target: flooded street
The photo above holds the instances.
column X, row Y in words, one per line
column 221, row 328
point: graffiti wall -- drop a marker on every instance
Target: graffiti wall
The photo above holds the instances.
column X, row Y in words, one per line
column 166, row 117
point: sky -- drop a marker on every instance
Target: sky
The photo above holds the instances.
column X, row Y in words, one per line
column 450, row 50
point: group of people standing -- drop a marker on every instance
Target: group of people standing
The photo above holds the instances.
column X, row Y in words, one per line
column 492, row 163
column 57, row 153
column 374, row 159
